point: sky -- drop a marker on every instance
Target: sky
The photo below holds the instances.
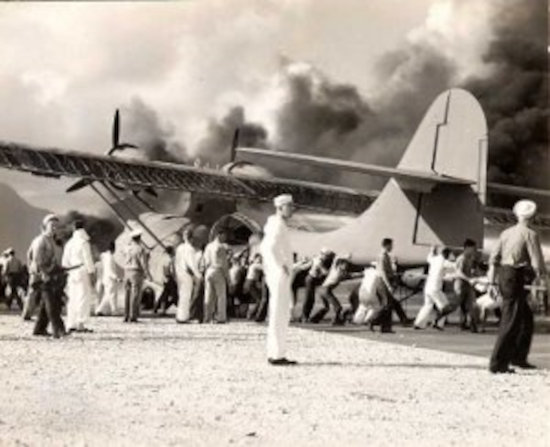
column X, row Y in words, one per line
column 184, row 73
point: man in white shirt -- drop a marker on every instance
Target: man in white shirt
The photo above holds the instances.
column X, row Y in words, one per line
column 439, row 266
column 110, row 280
column 77, row 256
column 277, row 257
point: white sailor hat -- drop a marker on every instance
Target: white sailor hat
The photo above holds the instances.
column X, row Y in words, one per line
column 283, row 199
column 49, row 218
column 325, row 251
column 525, row 209
column 9, row 251
column 135, row 233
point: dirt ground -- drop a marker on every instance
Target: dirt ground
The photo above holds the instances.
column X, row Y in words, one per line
column 158, row 383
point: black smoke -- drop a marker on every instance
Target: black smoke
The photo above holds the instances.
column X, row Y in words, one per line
column 515, row 96
column 102, row 230
column 155, row 140
column 215, row 147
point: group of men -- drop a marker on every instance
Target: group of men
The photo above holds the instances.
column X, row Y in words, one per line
column 203, row 279
column 517, row 257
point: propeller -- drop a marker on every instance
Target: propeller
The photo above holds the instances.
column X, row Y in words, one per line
column 117, row 145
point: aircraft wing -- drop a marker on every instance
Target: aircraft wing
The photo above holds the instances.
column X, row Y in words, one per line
column 141, row 174
column 408, row 178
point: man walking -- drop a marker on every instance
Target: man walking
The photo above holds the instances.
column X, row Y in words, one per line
column 43, row 268
column 519, row 255
column 78, row 260
column 215, row 279
column 277, row 256
column 135, row 270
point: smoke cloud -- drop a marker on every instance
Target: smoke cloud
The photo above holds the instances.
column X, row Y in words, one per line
column 154, row 140
column 214, row 147
column 515, row 95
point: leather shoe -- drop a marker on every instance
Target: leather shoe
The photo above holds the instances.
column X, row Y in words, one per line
column 503, row 371
column 281, row 362
column 524, row 365
column 42, row 334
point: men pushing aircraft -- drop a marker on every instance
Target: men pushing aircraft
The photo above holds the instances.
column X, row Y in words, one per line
column 277, row 256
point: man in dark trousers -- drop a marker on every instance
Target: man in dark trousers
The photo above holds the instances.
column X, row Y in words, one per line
column 519, row 255
column 136, row 268
column 45, row 271
column 169, row 293
column 320, row 267
column 387, row 274
column 13, row 273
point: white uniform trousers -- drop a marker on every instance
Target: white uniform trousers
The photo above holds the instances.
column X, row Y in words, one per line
column 109, row 298
column 185, row 289
column 80, row 292
column 427, row 314
column 279, row 285
column 215, row 295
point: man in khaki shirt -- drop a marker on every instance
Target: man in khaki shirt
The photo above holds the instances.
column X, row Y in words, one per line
column 519, row 255
column 136, row 268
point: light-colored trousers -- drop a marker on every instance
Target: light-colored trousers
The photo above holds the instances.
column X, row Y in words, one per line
column 215, row 295
column 80, row 291
column 427, row 313
column 369, row 305
column 280, row 293
column 185, row 290
column 109, row 298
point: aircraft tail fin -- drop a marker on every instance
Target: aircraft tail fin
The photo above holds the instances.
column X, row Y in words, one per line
column 417, row 211
column 451, row 141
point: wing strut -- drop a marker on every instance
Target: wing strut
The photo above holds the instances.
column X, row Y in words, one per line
column 134, row 215
column 117, row 213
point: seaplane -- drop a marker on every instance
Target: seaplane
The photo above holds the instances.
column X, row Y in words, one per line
column 436, row 195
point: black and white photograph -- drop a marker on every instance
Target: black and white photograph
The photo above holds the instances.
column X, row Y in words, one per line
column 274, row 223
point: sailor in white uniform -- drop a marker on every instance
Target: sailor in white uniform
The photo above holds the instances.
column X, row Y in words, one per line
column 77, row 256
column 277, row 261
column 436, row 303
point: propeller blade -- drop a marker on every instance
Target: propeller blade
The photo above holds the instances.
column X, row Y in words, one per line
column 234, row 145
column 82, row 183
column 116, row 128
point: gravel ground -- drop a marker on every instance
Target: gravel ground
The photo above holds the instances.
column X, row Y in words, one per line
column 158, row 383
